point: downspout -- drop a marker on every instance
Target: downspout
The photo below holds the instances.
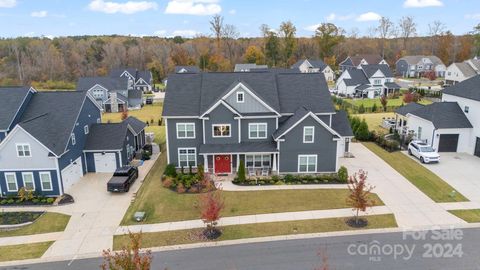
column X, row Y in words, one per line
column 433, row 137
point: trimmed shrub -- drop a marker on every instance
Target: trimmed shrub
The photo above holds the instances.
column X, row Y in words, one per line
column 170, row 170
column 241, row 172
column 343, row 174
column 50, row 200
column 362, row 132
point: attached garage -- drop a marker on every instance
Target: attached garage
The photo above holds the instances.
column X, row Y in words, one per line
column 448, row 143
column 72, row 174
column 105, row 162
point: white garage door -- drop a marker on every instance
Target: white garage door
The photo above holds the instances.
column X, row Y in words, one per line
column 71, row 174
column 105, row 163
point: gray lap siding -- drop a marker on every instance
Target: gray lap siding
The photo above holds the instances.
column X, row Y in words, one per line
column 271, row 127
column 174, row 143
column 221, row 115
column 324, row 147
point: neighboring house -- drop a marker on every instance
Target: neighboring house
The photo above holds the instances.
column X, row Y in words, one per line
column 401, row 119
column 458, row 72
column 249, row 67
column 452, row 125
column 353, row 62
column 142, row 79
column 114, row 94
column 277, row 122
column 415, row 66
column 45, row 150
column 315, row 66
column 368, row 81
column 187, row 69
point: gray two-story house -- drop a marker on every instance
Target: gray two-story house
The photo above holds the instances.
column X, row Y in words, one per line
column 281, row 122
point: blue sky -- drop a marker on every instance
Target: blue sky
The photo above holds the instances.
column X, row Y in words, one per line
column 190, row 17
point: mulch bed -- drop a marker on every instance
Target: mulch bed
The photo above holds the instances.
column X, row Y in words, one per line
column 359, row 223
column 13, row 218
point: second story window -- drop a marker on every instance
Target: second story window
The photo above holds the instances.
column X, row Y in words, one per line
column 377, row 82
column 257, row 130
column 308, row 134
column 23, row 150
column 74, row 141
column 186, row 130
column 85, row 129
column 221, row 130
column 240, row 97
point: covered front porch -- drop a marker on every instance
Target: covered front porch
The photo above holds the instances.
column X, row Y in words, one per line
column 260, row 159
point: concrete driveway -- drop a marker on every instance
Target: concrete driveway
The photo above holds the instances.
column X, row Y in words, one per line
column 96, row 214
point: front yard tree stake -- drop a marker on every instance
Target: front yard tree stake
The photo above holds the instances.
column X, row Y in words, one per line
column 129, row 258
column 211, row 204
column 360, row 191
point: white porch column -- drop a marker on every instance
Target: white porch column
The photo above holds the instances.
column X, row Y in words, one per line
column 238, row 161
column 274, row 166
column 205, row 163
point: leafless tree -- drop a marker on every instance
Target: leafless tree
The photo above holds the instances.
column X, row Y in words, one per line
column 230, row 34
column 407, row 28
column 435, row 29
column 216, row 26
column 385, row 31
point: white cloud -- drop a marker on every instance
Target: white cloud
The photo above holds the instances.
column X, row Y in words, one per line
column 193, row 7
column 160, row 33
column 336, row 17
column 39, row 14
column 129, row 7
column 312, row 27
column 369, row 16
column 185, row 33
column 8, row 3
column 422, row 3
column 475, row 16
column 233, row 11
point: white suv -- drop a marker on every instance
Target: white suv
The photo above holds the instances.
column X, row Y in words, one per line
column 423, row 151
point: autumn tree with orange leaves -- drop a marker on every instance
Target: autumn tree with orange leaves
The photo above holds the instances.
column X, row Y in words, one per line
column 359, row 197
column 129, row 258
column 211, row 205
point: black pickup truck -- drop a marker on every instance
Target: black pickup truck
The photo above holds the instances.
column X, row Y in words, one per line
column 122, row 179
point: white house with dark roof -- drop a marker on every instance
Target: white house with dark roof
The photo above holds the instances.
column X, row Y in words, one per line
column 458, row 72
column 142, row 79
column 315, row 66
column 354, row 62
column 368, row 81
column 275, row 122
column 413, row 66
column 249, row 67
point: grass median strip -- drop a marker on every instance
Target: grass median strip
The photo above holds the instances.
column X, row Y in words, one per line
column 425, row 180
column 256, row 230
column 164, row 205
column 47, row 223
column 469, row 215
column 23, row 251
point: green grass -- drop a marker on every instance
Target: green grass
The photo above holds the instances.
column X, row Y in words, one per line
column 368, row 103
column 469, row 215
column 160, row 85
column 255, row 230
column 49, row 222
column 425, row 180
column 23, row 251
column 164, row 205
column 374, row 120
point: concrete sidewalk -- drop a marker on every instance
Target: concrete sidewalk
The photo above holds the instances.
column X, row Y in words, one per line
column 29, row 239
column 227, row 185
column 250, row 219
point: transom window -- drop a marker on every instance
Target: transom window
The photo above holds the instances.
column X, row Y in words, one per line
column 221, row 130
column 308, row 134
column 46, row 181
column 257, row 130
column 240, row 97
column 11, row 179
column 28, row 182
column 187, row 157
column 257, row 161
column 307, row 163
column 23, row 150
column 186, row 130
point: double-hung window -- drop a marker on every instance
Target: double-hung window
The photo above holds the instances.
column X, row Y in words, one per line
column 11, row 179
column 307, row 163
column 74, row 140
column 28, row 182
column 308, row 134
column 240, row 97
column 187, row 157
column 23, row 150
column 85, row 129
column 257, row 130
column 221, row 130
column 186, row 130
column 257, row 161
column 46, row 181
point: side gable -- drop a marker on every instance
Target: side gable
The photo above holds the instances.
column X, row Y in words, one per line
column 281, row 132
column 250, row 103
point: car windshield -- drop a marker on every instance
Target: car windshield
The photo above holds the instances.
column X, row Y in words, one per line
column 426, row 149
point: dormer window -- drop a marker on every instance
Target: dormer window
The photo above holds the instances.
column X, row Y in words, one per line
column 74, row 141
column 240, row 97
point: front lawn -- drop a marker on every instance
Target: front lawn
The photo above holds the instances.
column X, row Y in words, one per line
column 24, row 251
column 374, row 120
column 255, row 230
column 425, row 180
column 47, row 223
column 163, row 205
column 469, row 215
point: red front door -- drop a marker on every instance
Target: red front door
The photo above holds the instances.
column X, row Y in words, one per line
column 222, row 163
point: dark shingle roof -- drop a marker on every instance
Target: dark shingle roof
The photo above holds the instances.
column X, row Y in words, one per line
column 106, row 136
column 110, row 83
column 292, row 120
column 117, row 72
column 370, row 70
column 362, row 87
column 243, row 147
column 357, row 77
column 11, row 99
column 248, row 67
column 341, row 124
column 469, row 88
column 444, row 115
column 50, row 117
column 146, row 75
column 135, row 124
column 392, row 85
column 135, row 94
column 409, row 108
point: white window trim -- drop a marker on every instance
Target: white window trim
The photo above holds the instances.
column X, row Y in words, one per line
column 186, row 136
column 187, row 148
column 23, row 149
column 243, row 96
column 74, row 140
column 33, row 180
column 86, row 130
column 313, row 134
column 41, row 182
column 261, row 160
column 307, row 156
column 219, row 125
column 16, row 183
column 257, row 124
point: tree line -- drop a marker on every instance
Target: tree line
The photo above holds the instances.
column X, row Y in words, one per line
column 63, row 60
